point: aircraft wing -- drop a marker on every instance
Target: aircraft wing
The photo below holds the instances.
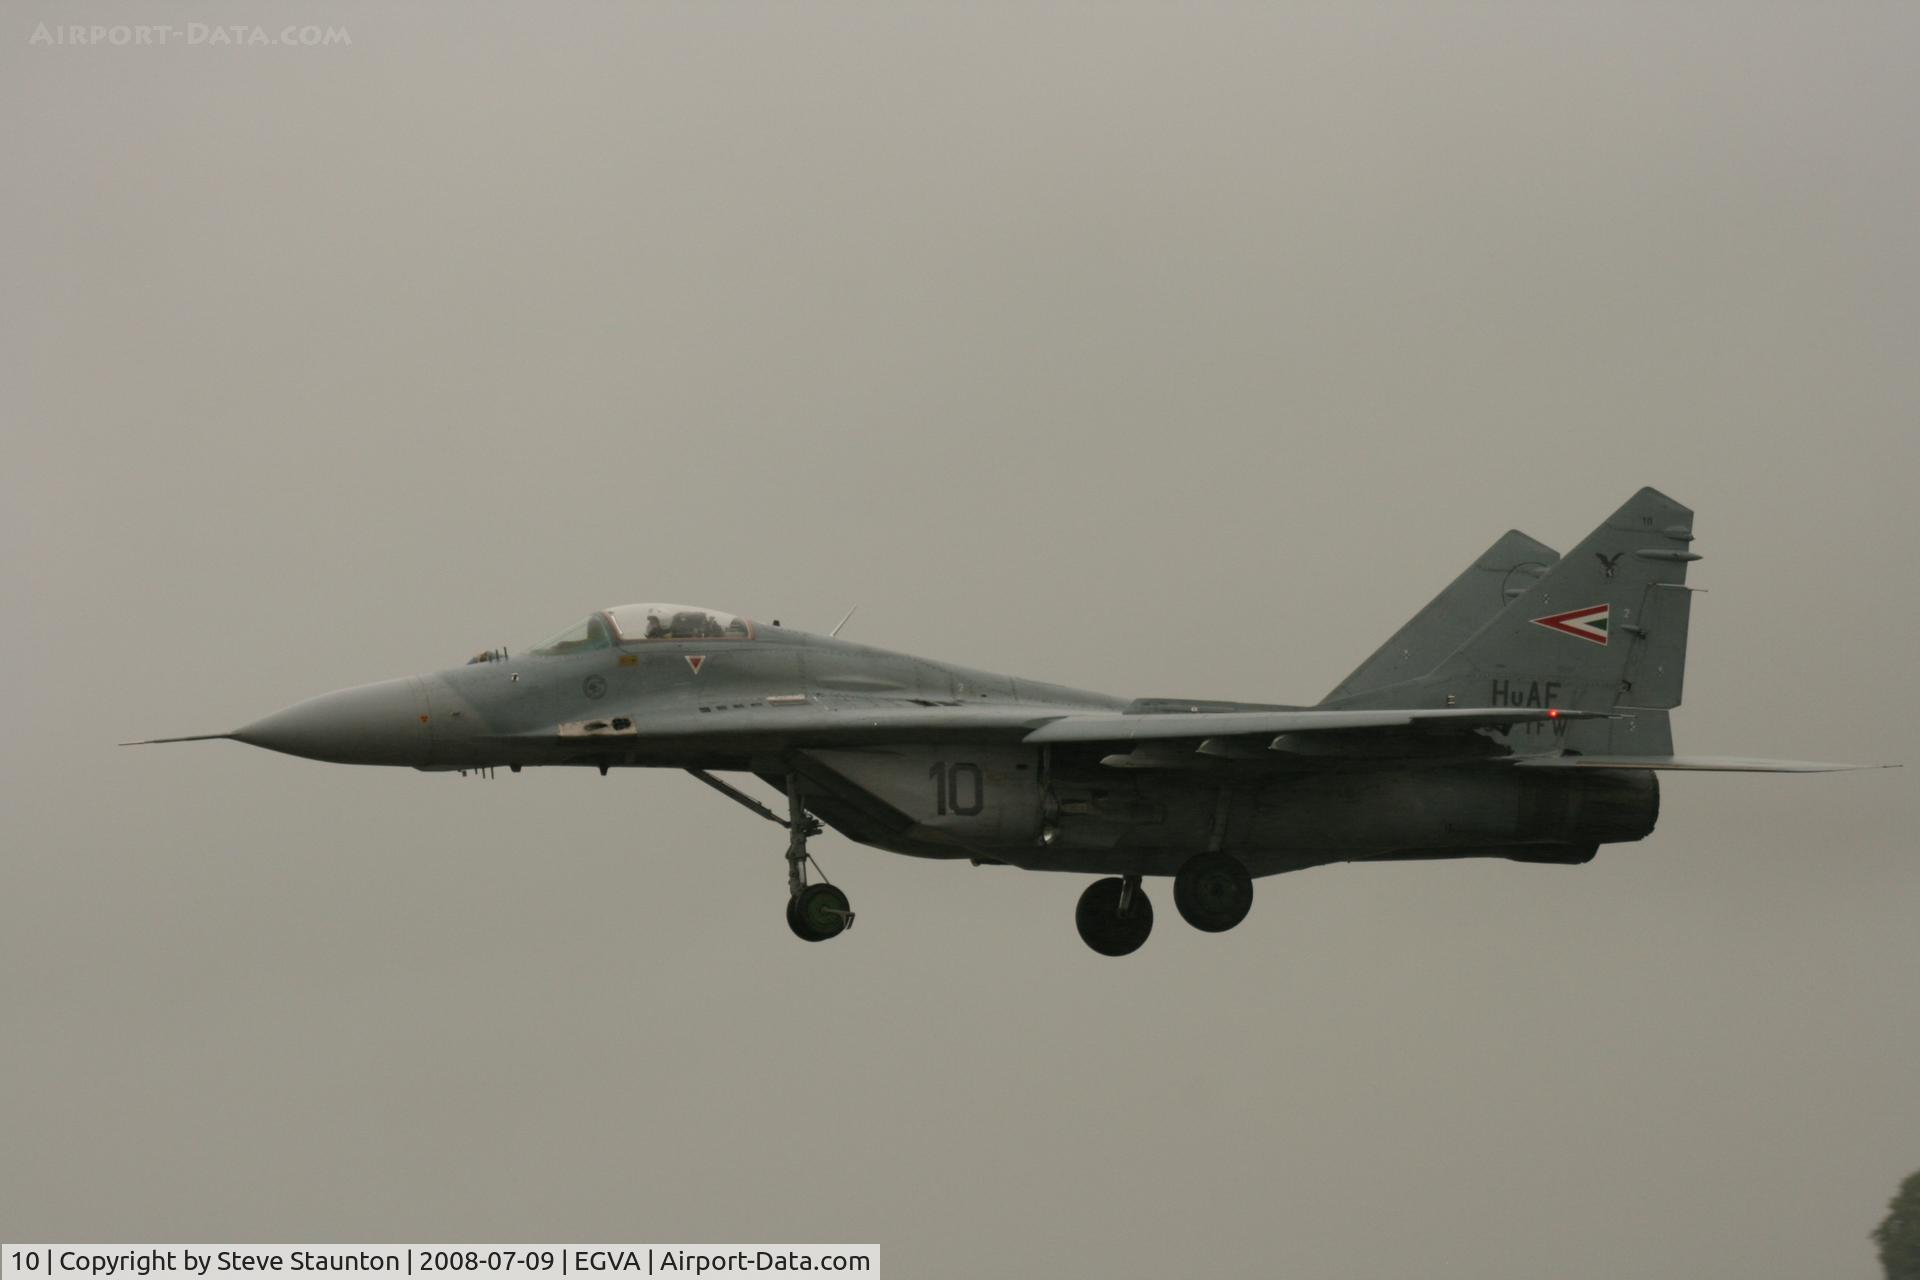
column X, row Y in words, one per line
column 1119, row 728
column 1176, row 739
column 817, row 725
column 1695, row 764
column 1233, row 733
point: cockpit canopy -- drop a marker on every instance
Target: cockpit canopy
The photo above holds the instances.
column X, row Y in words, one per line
column 633, row 623
column 676, row 622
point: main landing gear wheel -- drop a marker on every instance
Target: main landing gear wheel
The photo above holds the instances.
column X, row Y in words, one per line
column 1213, row 892
column 820, row 912
column 1114, row 916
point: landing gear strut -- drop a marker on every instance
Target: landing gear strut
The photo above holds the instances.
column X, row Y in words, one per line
column 1114, row 916
column 815, row 912
column 1213, row 892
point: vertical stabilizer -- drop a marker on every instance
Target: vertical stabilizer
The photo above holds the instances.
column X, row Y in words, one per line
column 1501, row 573
column 1604, row 629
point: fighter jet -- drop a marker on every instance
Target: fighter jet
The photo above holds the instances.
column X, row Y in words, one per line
column 1522, row 714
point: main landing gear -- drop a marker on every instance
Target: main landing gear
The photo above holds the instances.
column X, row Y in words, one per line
column 815, row 912
column 1212, row 891
column 1114, row 916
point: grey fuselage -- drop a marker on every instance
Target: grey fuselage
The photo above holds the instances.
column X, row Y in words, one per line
column 957, row 781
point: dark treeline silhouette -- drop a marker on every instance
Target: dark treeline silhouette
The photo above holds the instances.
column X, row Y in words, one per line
column 1899, row 1234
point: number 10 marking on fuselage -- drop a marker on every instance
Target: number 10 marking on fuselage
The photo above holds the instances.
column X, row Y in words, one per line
column 948, row 791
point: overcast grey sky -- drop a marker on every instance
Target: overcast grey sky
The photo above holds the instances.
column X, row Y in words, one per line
column 1027, row 329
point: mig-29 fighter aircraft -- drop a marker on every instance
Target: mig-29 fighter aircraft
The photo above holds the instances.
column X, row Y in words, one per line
column 1522, row 714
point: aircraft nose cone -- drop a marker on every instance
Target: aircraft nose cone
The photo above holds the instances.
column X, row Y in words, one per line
column 383, row 723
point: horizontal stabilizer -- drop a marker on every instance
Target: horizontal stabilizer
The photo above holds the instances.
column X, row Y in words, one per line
column 1698, row 764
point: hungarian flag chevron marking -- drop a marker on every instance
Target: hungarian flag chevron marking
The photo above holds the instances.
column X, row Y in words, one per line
column 1589, row 623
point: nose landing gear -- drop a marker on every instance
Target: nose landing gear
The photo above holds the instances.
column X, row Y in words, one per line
column 1114, row 916
column 815, row 912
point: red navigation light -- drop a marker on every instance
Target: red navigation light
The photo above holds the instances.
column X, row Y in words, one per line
column 1553, row 713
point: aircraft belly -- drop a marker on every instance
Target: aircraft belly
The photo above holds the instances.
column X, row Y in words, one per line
column 1149, row 824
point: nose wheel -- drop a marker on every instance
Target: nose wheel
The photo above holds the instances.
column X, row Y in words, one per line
column 1114, row 916
column 818, row 913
